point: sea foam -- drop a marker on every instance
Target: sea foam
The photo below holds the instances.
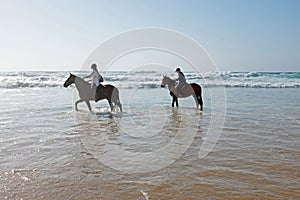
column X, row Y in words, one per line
column 153, row 79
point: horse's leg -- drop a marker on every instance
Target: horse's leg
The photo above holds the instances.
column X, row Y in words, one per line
column 175, row 100
column 116, row 99
column 89, row 105
column 120, row 106
column 196, row 100
column 113, row 105
column 79, row 101
column 200, row 102
column 199, row 97
column 118, row 103
column 110, row 104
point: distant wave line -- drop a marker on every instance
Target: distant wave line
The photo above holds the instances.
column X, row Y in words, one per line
column 153, row 79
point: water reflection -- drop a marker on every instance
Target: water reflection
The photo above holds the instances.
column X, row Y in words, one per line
column 95, row 130
column 117, row 142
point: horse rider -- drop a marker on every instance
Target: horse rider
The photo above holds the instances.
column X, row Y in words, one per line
column 95, row 76
column 181, row 81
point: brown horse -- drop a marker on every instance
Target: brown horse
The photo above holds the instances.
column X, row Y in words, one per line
column 86, row 94
column 192, row 89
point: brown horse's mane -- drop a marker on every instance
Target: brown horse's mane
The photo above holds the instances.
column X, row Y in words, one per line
column 172, row 81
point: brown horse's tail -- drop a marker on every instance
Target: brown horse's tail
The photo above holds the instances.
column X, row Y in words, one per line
column 198, row 92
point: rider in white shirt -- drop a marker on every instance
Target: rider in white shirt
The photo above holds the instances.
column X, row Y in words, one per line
column 95, row 76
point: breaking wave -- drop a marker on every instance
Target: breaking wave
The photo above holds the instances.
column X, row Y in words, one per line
column 153, row 79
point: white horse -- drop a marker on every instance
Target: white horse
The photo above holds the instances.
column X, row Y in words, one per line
column 86, row 94
column 84, row 89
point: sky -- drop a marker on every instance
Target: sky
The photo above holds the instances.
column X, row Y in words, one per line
column 239, row 35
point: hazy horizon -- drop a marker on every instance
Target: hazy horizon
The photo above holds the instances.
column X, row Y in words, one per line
column 84, row 70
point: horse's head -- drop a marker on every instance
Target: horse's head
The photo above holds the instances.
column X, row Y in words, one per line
column 70, row 80
column 167, row 81
column 164, row 82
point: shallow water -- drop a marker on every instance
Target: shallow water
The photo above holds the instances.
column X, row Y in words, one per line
column 151, row 151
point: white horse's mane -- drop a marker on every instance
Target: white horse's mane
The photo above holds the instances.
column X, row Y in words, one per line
column 84, row 89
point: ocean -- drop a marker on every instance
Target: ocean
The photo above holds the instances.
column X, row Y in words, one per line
column 245, row 144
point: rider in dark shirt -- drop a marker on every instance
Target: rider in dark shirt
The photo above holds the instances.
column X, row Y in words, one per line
column 181, row 81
